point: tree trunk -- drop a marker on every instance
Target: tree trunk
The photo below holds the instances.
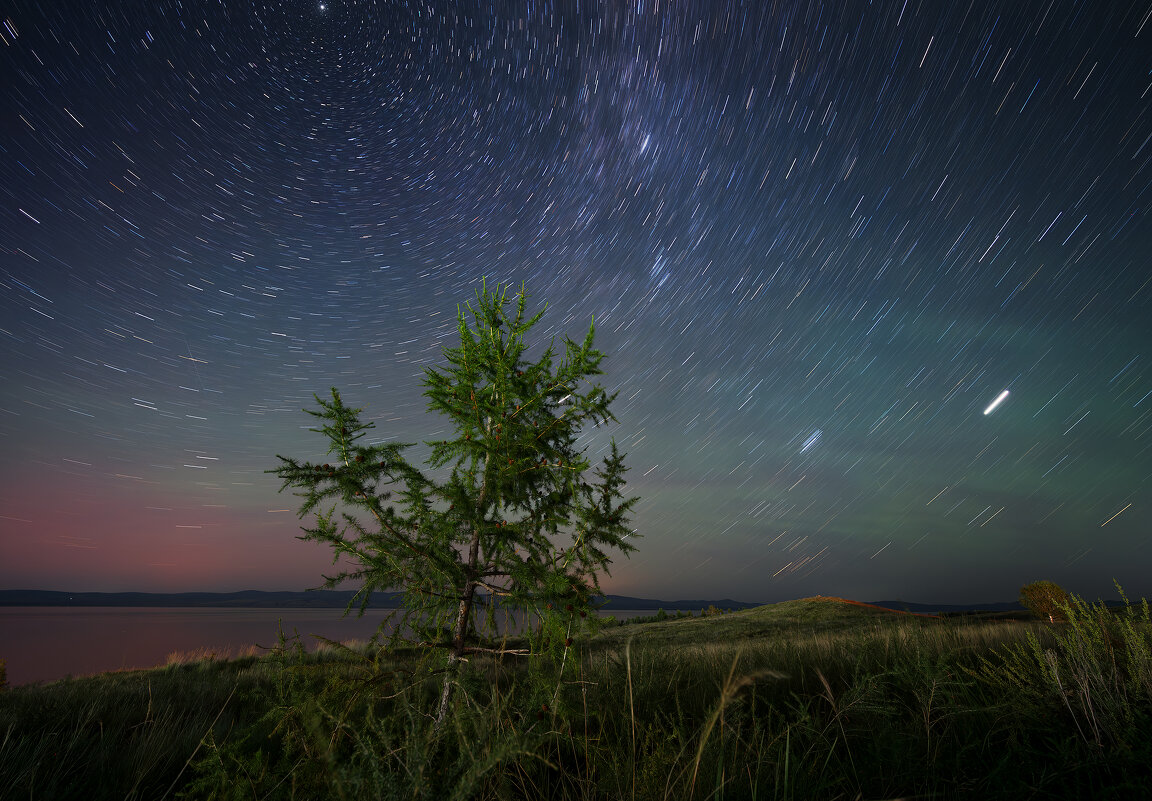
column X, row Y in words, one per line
column 463, row 616
column 458, row 646
column 466, row 597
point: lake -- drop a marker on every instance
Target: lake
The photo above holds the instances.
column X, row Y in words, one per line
column 45, row 643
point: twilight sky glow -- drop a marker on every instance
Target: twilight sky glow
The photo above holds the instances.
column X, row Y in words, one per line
column 819, row 240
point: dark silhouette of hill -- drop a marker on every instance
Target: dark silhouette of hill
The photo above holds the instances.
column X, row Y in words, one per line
column 311, row 599
column 338, row 599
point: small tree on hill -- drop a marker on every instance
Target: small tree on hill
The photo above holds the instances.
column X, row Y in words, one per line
column 521, row 515
column 1045, row 599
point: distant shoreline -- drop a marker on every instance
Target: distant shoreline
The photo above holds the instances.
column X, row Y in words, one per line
column 310, row 599
column 339, row 599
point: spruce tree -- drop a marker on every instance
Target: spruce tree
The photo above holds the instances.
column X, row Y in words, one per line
column 509, row 511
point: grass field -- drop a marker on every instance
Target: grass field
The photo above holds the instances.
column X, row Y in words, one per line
column 811, row 699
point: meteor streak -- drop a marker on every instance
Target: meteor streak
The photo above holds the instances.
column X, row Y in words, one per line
column 997, row 402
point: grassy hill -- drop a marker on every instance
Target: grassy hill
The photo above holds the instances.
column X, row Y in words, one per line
column 809, row 615
column 808, row 699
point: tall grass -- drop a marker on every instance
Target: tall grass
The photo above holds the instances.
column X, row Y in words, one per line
column 1095, row 671
column 121, row 735
column 880, row 707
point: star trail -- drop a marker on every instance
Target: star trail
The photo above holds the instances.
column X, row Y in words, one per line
column 821, row 242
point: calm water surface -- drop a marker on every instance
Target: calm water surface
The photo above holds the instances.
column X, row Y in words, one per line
column 45, row 643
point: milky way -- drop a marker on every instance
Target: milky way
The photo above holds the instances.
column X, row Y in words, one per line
column 818, row 240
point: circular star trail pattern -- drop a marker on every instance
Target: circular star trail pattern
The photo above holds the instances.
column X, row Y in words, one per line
column 819, row 240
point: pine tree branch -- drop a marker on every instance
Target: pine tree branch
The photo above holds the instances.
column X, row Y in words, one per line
column 495, row 590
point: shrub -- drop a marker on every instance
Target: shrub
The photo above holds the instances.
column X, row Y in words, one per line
column 1098, row 671
column 1045, row 599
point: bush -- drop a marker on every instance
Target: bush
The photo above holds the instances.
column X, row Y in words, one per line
column 1045, row 599
column 1098, row 671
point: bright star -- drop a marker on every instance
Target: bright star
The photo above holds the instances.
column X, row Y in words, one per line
column 996, row 402
column 812, row 440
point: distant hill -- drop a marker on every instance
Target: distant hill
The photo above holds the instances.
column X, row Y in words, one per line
column 627, row 602
column 906, row 606
column 338, row 599
column 313, row 599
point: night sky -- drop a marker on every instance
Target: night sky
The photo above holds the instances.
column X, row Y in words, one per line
column 819, row 240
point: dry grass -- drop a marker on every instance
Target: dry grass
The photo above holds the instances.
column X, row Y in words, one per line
column 213, row 654
column 208, row 654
